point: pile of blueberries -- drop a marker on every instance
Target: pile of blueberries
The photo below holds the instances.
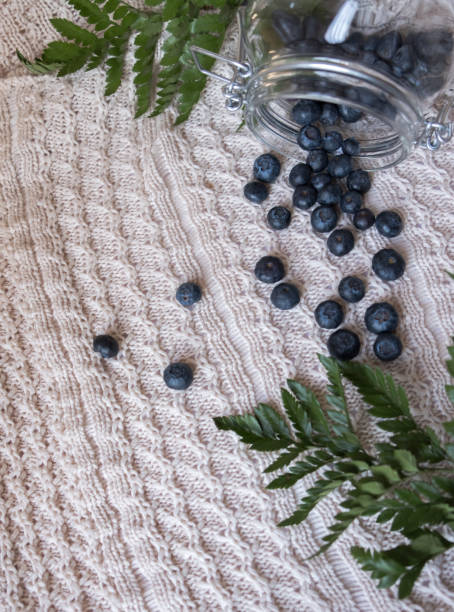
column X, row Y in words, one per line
column 321, row 181
column 420, row 60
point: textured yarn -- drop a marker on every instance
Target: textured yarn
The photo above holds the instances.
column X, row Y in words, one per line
column 118, row 494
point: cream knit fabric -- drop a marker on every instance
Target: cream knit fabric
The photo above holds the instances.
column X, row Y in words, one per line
column 118, row 494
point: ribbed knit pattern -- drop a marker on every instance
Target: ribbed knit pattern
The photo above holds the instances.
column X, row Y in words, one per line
column 117, row 493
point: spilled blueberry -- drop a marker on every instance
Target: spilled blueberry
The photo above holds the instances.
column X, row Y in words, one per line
column 341, row 242
column 351, row 202
column 285, row 296
column 329, row 314
column 389, row 224
column 381, row 317
column 256, row 192
column 269, row 269
column 178, row 376
column 344, row 345
column 304, row 197
column 324, row 219
column 352, row 289
column 188, row 294
column 300, row 175
column 388, row 264
column 279, row 217
column 363, row 219
column 106, row 346
column 387, row 347
column 267, row 168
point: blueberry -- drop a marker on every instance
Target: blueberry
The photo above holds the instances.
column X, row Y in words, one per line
column 341, row 242
column 304, row 197
column 106, row 346
column 369, row 58
column 354, row 44
column 350, row 146
column 387, row 347
column 188, row 294
column 363, row 219
column 267, row 168
column 388, row 45
column 309, row 46
column 389, row 224
column 285, row 296
column 329, row 314
column 287, row 26
column 317, row 160
column 352, row 289
column 300, row 175
column 434, row 46
column 349, row 114
column 371, row 42
column 256, row 192
column 388, row 264
column 330, row 114
column 330, row 195
column 344, row 345
column 351, row 202
column 312, row 28
column 178, row 376
column 269, row 270
column 381, row 317
column 383, row 67
column 306, row 112
column 358, row 180
column 332, row 141
column 310, row 138
column 279, row 217
column 403, row 61
column 318, row 181
column 324, row 219
column 340, row 166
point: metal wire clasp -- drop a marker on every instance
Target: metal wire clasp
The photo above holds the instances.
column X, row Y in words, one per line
column 439, row 131
column 235, row 88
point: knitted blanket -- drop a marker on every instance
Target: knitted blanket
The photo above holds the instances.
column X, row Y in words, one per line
column 117, row 493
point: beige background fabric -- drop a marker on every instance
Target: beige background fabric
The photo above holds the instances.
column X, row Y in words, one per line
column 116, row 493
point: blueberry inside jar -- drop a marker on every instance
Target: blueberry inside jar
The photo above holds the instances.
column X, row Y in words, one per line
column 373, row 70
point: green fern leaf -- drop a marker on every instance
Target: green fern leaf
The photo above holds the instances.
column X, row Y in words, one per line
column 283, row 460
column 71, row 31
column 38, row 66
column 92, row 13
column 310, row 405
column 271, row 421
column 60, row 52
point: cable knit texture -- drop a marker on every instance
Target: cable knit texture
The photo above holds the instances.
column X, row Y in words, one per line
column 118, row 494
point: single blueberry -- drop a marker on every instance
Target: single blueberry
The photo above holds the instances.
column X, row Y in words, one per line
column 317, row 160
column 352, row 289
column 388, row 264
column 318, row 181
column 383, row 67
column 269, row 270
column 306, row 112
column 434, row 45
column 387, row 347
column 359, row 180
column 304, row 197
column 381, row 317
column 300, row 175
column 279, row 217
column 332, row 141
column 340, row 166
column 363, row 219
column 330, row 195
column 354, row 44
column 371, row 42
column 329, row 314
column 368, row 57
column 287, row 25
column 344, row 345
column 389, row 224
column 310, row 46
column 106, row 346
column 341, row 242
column 330, row 114
column 388, row 45
column 310, row 138
column 349, row 114
column 351, row 202
column 188, row 294
column 403, row 60
column 255, row 192
column 267, row 168
column 350, row 146
column 178, row 376
column 312, row 28
column 324, row 219
column 285, row 296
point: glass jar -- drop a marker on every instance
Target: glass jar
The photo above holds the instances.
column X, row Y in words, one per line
column 389, row 60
